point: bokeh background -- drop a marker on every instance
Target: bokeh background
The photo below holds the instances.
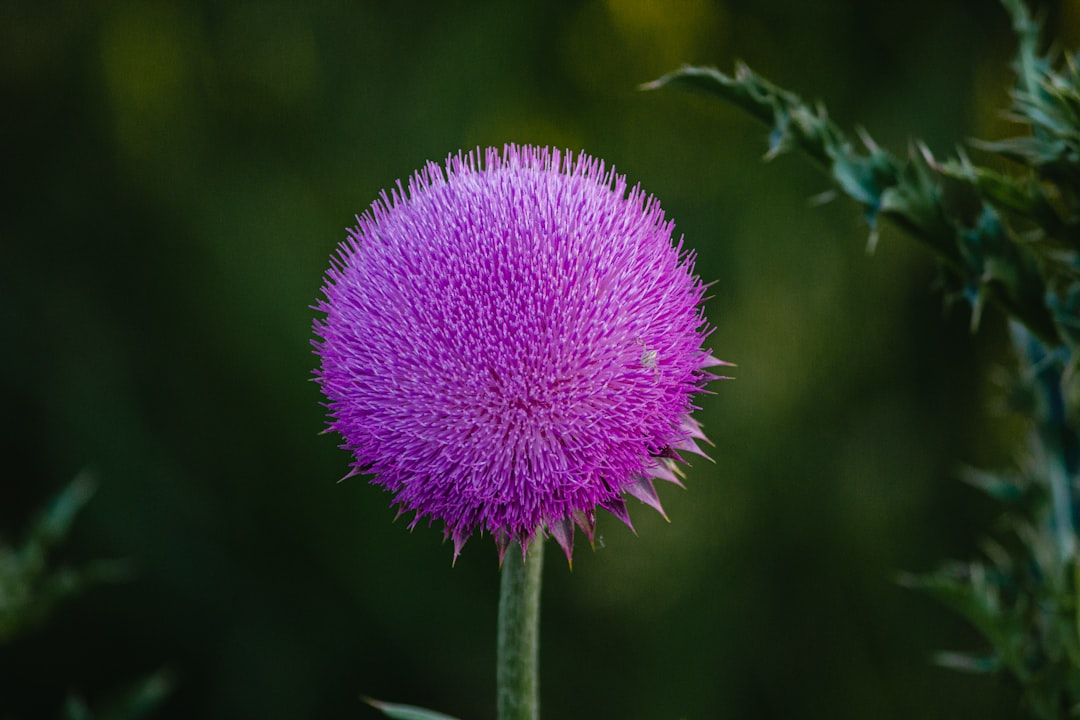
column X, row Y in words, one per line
column 175, row 178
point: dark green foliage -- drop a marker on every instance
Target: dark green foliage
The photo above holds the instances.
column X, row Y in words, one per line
column 29, row 587
column 1011, row 239
column 1022, row 596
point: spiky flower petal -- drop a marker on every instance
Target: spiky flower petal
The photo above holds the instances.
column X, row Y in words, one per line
column 508, row 344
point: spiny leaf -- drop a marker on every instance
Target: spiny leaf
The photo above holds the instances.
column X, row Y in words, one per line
column 984, row 257
column 1020, row 196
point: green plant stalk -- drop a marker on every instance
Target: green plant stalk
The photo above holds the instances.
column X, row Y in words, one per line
column 517, row 661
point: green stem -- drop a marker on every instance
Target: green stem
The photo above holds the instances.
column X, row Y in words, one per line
column 517, row 671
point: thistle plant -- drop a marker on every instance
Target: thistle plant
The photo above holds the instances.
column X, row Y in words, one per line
column 508, row 345
column 1012, row 241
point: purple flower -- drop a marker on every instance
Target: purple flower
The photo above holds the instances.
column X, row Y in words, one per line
column 510, row 344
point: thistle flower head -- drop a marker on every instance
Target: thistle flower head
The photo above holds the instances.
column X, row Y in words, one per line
column 512, row 342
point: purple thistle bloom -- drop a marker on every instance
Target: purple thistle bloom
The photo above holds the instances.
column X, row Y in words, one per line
column 509, row 345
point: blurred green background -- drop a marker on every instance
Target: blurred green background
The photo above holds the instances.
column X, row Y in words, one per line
column 176, row 176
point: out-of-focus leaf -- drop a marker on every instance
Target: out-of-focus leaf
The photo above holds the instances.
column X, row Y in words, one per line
column 1007, row 488
column 29, row 588
column 967, row 663
column 76, row 709
column 406, row 712
column 141, row 699
column 136, row 702
column 55, row 524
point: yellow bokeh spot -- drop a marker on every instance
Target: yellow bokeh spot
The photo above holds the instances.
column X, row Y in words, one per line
column 144, row 56
column 671, row 32
column 147, row 57
column 615, row 45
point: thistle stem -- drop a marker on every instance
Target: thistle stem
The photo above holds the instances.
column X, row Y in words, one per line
column 517, row 671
